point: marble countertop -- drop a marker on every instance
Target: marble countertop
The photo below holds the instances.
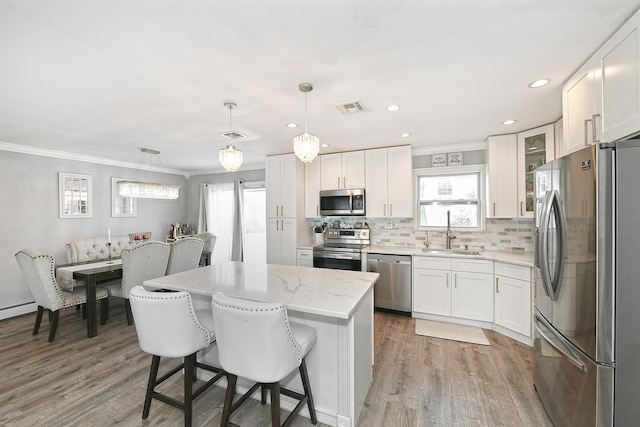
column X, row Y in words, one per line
column 326, row 292
column 511, row 257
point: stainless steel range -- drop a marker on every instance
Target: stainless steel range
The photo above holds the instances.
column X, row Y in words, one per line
column 342, row 249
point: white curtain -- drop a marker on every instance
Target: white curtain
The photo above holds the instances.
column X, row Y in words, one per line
column 220, row 213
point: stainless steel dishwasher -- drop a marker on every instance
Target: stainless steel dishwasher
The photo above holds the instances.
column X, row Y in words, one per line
column 392, row 291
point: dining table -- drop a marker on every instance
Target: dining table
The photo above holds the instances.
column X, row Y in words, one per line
column 89, row 274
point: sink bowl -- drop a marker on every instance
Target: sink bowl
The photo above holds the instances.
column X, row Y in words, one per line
column 449, row 252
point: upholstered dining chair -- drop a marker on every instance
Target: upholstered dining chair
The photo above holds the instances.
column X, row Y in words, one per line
column 144, row 261
column 168, row 326
column 256, row 341
column 38, row 270
column 209, row 243
column 184, row 254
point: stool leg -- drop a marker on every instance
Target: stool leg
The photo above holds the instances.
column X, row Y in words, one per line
column 263, row 394
column 189, row 367
column 54, row 325
column 127, row 309
column 228, row 399
column 274, row 388
column 36, row 326
column 307, row 391
column 104, row 309
column 153, row 373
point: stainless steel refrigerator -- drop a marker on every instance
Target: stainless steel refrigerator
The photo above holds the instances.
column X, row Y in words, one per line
column 587, row 287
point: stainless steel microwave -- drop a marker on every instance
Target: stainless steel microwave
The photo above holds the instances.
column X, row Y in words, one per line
column 342, row 202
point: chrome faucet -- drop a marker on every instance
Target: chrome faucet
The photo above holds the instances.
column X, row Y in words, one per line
column 450, row 236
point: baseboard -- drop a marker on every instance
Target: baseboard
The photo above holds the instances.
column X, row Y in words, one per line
column 456, row 320
column 513, row 335
column 485, row 325
column 18, row 310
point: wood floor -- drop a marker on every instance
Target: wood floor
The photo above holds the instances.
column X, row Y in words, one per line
column 418, row 381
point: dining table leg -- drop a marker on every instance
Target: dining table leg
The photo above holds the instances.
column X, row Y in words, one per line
column 92, row 324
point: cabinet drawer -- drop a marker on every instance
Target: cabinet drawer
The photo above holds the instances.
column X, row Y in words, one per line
column 472, row 265
column 511, row 270
column 432, row 263
column 304, row 254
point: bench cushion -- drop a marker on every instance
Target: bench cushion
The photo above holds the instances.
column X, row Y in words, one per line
column 96, row 248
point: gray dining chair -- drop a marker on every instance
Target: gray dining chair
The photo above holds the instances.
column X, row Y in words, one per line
column 167, row 325
column 256, row 341
column 184, row 254
column 38, row 270
column 209, row 243
column 145, row 261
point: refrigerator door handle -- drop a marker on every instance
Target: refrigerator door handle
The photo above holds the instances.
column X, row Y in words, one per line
column 552, row 284
column 566, row 351
column 541, row 247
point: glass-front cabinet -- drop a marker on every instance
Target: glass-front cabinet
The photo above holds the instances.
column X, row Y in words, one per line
column 535, row 148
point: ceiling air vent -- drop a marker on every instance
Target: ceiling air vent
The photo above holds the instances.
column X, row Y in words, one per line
column 350, row 107
column 232, row 134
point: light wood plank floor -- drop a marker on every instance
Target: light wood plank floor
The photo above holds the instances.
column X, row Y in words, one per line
column 101, row 381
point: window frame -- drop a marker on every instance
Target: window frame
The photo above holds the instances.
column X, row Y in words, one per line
column 481, row 170
column 70, row 206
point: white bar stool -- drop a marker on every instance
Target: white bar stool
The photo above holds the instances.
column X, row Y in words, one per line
column 168, row 326
column 256, row 341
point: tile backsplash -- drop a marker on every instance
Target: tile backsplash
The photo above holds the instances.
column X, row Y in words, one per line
column 499, row 234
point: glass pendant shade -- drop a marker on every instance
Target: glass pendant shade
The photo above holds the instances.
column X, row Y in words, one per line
column 148, row 190
column 230, row 158
column 306, row 146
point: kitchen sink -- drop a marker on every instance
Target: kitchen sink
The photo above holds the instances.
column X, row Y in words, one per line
column 449, row 252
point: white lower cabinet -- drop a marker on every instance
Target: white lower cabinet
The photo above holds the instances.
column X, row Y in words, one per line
column 513, row 298
column 454, row 287
column 281, row 241
column 304, row 257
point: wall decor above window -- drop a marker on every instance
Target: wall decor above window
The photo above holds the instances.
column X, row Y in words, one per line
column 75, row 192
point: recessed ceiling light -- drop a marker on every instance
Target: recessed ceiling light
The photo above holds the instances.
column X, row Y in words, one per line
column 324, row 145
column 393, row 107
column 292, row 125
column 405, row 135
column 539, row 83
column 509, row 122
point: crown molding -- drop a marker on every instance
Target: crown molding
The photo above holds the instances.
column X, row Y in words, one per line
column 45, row 152
column 449, row 148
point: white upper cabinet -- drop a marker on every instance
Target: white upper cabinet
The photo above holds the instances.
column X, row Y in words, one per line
column 601, row 101
column 389, row 188
column 618, row 80
column 312, row 189
column 342, row 170
column 579, row 110
column 535, row 148
column 502, row 161
column 283, row 175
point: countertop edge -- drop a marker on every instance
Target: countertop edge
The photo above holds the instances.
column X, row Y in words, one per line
column 510, row 257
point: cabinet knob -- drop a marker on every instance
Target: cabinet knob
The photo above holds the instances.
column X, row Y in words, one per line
column 497, row 285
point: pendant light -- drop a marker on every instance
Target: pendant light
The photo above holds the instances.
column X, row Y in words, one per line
column 148, row 190
column 306, row 145
column 230, row 157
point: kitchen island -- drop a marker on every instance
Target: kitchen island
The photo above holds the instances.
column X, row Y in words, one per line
column 337, row 303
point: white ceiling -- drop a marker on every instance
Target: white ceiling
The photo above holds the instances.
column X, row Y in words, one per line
column 106, row 77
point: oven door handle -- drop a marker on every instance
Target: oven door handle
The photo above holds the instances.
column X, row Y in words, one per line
column 337, row 256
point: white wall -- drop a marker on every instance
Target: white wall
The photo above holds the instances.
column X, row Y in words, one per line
column 29, row 214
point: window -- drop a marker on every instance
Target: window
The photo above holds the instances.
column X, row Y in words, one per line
column 458, row 192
